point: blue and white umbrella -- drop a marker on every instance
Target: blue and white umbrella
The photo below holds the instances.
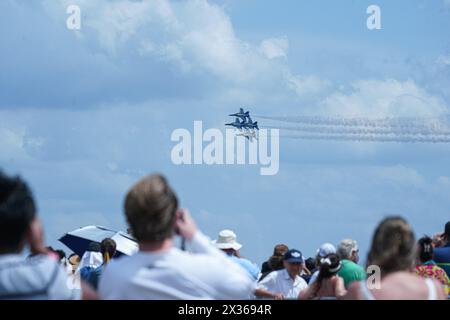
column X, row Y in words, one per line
column 78, row 240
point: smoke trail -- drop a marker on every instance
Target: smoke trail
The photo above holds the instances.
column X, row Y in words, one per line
column 363, row 130
column 403, row 139
column 411, row 124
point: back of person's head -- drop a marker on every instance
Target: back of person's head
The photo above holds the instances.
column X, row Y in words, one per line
column 425, row 249
column 329, row 266
column 108, row 249
column 150, row 208
column 310, row 263
column 345, row 248
column 280, row 250
column 17, row 211
column 393, row 246
column 276, row 262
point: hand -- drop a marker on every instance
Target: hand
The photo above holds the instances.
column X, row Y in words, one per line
column 35, row 237
column 278, row 296
column 185, row 225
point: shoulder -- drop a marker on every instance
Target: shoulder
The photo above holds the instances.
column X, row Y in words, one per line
column 442, row 253
column 38, row 268
column 272, row 276
column 354, row 291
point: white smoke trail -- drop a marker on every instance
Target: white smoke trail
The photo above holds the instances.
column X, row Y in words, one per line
column 371, row 138
column 363, row 130
column 405, row 124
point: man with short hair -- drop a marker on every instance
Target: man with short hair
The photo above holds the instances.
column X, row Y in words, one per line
column 161, row 271
column 285, row 283
column 41, row 276
column 442, row 254
column 350, row 271
column 226, row 241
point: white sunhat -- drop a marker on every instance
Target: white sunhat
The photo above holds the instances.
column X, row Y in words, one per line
column 227, row 240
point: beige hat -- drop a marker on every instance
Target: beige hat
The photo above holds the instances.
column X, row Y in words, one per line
column 227, row 240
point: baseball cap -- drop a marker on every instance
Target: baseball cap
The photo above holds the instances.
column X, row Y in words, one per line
column 293, row 256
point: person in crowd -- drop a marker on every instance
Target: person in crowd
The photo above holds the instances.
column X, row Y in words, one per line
column 438, row 240
column 328, row 284
column 227, row 242
column 392, row 256
column 442, row 254
column 427, row 268
column 160, row 270
column 108, row 250
column 324, row 250
column 62, row 257
column 91, row 260
column 348, row 253
column 310, row 265
column 74, row 262
column 278, row 251
column 285, row 283
column 274, row 263
column 41, row 275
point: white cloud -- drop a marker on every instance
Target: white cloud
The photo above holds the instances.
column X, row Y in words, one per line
column 444, row 59
column 307, row 86
column 275, row 47
column 388, row 98
column 194, row 35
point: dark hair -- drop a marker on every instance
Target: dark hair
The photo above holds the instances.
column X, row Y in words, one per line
column 276, row 263
column 150, row 208
column 393, row 246
column 17, row 211
column 60, row 253
column 108, row 249
column 310, row 263
column 280, row 250
column 425, row 248
column 329, row 266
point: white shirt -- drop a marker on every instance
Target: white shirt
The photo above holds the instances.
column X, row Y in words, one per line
column 206, row 273
column 37, row 278
column 280, row 282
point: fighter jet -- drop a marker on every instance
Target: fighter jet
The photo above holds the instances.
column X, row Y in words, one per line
column 249, row 134
column 251, row 125
column 241, row 114
column 237, row 124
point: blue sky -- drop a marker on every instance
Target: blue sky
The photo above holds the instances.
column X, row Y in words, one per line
column 84, row 114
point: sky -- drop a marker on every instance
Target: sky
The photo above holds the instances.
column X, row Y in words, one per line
column 86, row 113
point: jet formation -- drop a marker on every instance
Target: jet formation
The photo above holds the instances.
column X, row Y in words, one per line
column 244, row 123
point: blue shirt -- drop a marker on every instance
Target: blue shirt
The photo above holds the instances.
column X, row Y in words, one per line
column 251, row 269
column 442, row 258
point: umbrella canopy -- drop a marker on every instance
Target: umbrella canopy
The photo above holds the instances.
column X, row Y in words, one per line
column 79, row 240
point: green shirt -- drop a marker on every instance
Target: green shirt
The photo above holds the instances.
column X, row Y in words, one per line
column 350, row 272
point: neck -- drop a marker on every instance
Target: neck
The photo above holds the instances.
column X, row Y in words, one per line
column 156, row 246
